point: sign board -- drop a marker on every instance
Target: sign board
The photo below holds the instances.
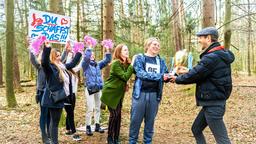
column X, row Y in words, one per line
column 55, row 27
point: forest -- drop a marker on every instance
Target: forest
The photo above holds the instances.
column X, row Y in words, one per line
column 174, row 22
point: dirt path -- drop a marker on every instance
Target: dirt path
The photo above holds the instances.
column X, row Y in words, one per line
column 175, row 117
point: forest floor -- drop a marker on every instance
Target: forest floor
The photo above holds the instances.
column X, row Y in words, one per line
column 173, row 123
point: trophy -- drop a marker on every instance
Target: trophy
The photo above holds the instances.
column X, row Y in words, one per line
column 181, row 62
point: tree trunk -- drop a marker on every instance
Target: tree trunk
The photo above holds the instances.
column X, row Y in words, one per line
column 227, row 29
column 16, row 69
column 56, row 6
column 101, row 27
column 10, row 96
column 77, row 20
column 182, row 23
column 176, row 25
column 208, row 13
column 83, row 27
column 30, row 68
column 108, row 26
column 249, row 40
column 1, row 68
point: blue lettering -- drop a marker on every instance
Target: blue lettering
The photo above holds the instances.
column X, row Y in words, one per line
column 50, row 19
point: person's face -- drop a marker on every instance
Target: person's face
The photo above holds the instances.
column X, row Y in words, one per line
column 92, row 56
column 204, row 41
column 154, row 47
column 124, row 52
column 58, row 57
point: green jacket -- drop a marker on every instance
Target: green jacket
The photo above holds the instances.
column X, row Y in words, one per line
column 114, row 87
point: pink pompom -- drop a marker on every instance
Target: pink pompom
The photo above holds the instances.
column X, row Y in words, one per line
column 78, row 47
column 90, row 40
column 107, row 43
column 36, row 44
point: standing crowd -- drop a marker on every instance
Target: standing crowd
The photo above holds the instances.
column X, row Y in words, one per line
column 57, row 84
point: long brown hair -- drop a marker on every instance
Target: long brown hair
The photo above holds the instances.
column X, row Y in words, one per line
column 53, row 57
column 117, row 55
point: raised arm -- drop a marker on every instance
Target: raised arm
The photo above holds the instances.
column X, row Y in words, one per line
column 74, row 61
column 33, row 60
column 46, row 60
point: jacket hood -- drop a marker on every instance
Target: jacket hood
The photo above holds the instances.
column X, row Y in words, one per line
column 226, row 55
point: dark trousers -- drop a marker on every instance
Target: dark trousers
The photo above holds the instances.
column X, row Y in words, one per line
column 44, row 120
column 114, row 122
column 70, row 118
column 55, row 114
column 44, row 123
column 211, row 116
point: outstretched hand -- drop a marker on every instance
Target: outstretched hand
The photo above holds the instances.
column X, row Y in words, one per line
column 173, row 78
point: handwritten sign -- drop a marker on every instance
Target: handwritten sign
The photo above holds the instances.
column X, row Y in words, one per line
column 55, row 27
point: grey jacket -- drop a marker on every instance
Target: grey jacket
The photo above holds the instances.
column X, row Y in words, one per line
column 40, row 83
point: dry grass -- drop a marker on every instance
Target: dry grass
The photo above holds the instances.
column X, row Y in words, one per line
column 175, row 117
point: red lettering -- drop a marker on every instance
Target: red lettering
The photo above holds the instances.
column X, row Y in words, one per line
column 36, row 21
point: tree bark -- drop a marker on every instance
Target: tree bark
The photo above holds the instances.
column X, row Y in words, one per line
column 78, row 20
column 208, row 13
column 249, row 40
column 227, row 29
column 10, row 96
column 56, row 6
column 108, row 26
column 16, row 69
column 176, row 25
column 1, row 68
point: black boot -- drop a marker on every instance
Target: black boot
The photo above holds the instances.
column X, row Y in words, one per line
column 89, row 131
column 110, row 140
column 98, row 128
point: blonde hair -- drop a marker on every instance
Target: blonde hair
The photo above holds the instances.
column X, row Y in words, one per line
column 53, row 57
column 148, row 42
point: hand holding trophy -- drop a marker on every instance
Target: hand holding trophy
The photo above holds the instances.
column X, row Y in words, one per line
column 182, row 60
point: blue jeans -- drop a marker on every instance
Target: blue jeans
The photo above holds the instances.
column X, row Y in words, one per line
column 44, row 120
column 145, row 107
column 211, row 116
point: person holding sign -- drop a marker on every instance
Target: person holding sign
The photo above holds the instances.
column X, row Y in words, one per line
column 114, row 90
column 93, row 84
column 35, row 59
column 150, row 71
column 58, row 83
column 212, row 76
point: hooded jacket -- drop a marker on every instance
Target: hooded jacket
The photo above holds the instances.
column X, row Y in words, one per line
column 92, row 70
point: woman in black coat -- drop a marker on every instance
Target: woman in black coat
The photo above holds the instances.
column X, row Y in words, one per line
column 57, row 78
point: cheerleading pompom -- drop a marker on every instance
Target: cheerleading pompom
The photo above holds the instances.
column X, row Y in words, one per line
column 36, row 44
column 78, row 47
column 107, row 43
column 90, row 41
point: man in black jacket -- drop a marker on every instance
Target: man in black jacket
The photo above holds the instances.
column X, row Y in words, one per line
column 212, row 76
